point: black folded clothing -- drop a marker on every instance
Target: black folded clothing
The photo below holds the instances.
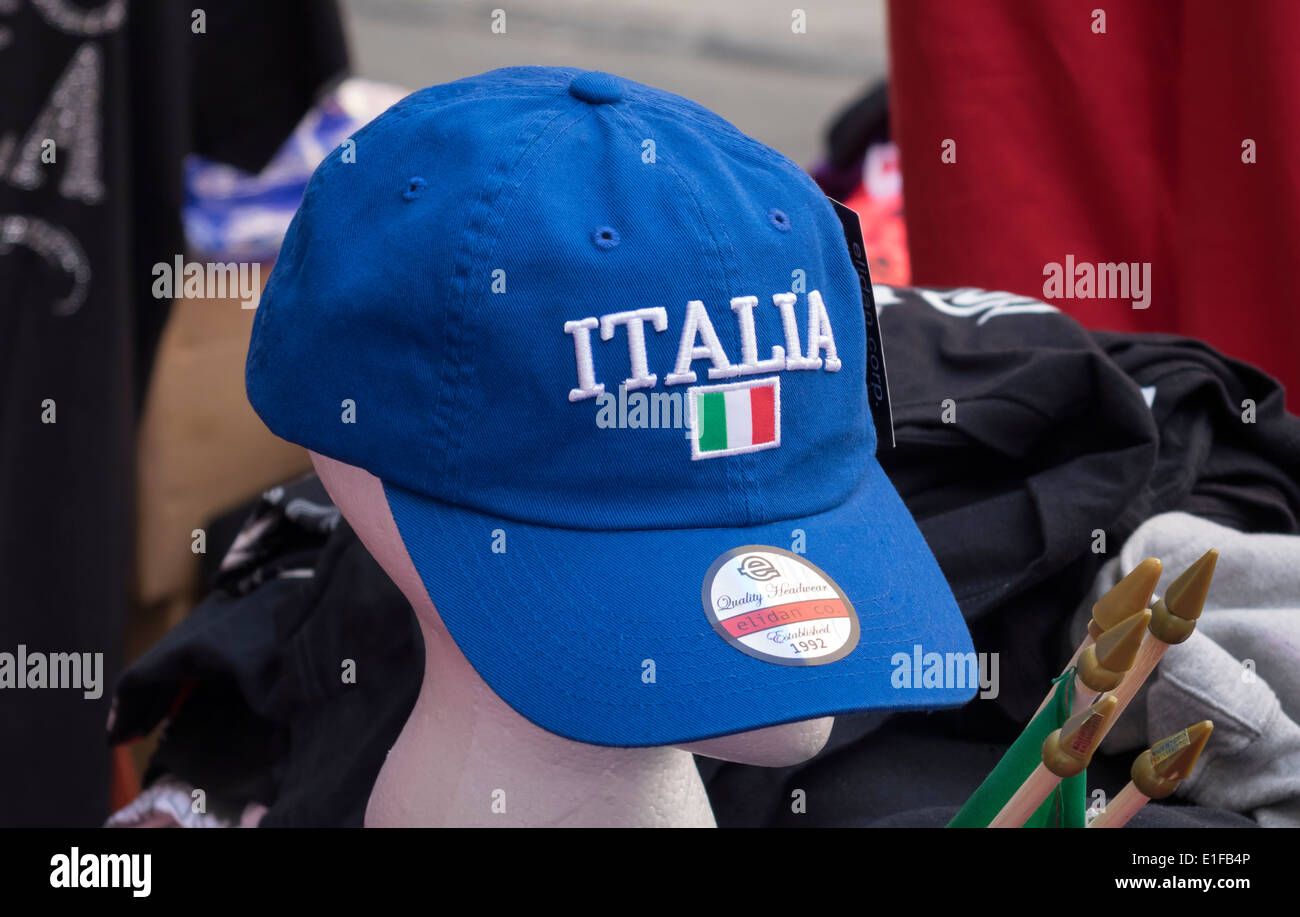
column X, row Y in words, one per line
column 251, row 687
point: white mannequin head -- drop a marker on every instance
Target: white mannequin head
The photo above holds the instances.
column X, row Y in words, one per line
column 466, row 758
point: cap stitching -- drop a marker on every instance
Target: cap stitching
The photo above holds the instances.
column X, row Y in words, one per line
column 739, row 472
column 485, row 228
column 381, row 128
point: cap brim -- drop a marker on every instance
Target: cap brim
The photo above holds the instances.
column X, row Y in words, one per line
column 568, row 625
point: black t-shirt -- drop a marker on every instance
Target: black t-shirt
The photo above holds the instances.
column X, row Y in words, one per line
column 100, row 102
column 1029, row 449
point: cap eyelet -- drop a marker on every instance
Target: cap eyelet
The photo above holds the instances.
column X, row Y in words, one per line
column 778, row 219
column 414, row 188
column 605, row 237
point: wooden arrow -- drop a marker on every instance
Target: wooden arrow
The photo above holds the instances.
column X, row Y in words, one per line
column 1156, row 774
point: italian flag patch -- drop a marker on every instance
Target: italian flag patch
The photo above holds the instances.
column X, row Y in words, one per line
column 735, row 418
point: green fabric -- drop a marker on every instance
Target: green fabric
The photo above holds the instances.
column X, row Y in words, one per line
column 1064, row 807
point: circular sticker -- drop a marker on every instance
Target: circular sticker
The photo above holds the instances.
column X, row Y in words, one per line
column 772, row 604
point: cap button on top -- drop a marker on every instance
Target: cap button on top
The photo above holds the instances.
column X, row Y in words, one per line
column 596, row 88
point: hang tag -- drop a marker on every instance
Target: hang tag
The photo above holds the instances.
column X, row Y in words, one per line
column 877, row 380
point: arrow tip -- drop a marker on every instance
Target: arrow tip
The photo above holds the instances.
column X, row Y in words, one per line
column 1102, row 665
column 1067, row 751
column 1185, row 596
column 1158, row 770
column 1174, row 616
column 1129, row 595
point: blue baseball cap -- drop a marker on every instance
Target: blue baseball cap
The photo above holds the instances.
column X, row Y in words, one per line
column 606, row 354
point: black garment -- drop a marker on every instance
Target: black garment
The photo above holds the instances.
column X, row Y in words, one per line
column 860, row 126
column 251, row 686
column 124, row 91
column 1213, row 460
column 1052, row 443
column 863, row 123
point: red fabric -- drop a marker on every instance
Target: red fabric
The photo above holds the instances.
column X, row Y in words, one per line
column 125, row 784
column 762, row 413
column 1123, row 146
column 885, row 236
